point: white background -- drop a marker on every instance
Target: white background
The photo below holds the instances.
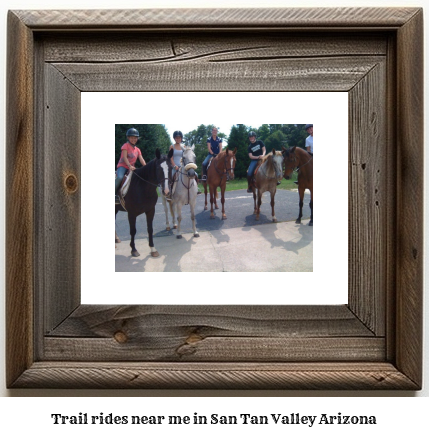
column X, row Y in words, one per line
column 327, row 284
column 397, row 413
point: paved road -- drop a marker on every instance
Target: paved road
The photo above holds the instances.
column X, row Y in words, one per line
column 238, row 208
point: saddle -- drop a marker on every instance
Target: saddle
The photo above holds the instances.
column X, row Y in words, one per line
column 123, row 189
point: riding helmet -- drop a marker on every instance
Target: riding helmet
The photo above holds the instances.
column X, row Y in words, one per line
column 252, row 133
column 133, row 132
column 307, row 126
column 177, row 133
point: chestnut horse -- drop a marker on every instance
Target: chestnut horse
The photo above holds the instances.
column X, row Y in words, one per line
column 220, row 170
column 267, row 174
column 297, row 157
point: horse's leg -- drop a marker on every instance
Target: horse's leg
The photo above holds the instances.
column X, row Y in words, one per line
column 255, row 209
column 164, row 203
column 132, row 222
column 205, row 195
column 192, row 206
column 173, row 214
column 149, row 219
column 273, row 194
column 117, row 240
column 215, row 196
column 179, row 219
column 212, row 200
column 222, row 199
column 311, row 207
column 258, row 210
column 301, row 203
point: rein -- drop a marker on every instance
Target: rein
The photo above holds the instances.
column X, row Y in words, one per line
column 226, row 169
column 133, row 173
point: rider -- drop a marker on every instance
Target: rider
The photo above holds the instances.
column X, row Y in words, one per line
column 129, row 155
column 214, row 146
column 176, row 159
column 309, row 139
column 256, row 150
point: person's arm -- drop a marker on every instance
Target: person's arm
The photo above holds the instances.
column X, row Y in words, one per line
column 209, row 147
column 142, row 161
column 125, row 159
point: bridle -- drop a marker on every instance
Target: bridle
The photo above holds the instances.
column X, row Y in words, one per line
column 224, row 171
column 294, row 161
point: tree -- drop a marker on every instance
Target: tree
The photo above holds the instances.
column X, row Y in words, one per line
column 276, row 140
column 238, row 137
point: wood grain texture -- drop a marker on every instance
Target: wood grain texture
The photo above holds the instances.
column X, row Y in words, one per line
column 373, row 343
column 19, row 200
column 61, row 208
column 162, row 47
column 378, row 376
column 409, row 260
column 368, row 157
column 215, row 18
column 333, row 74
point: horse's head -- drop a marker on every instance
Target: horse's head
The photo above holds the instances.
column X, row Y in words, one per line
column 230, row 161
column 277, row 160
column 189, row 161
column 290, row 160
column 163, row 170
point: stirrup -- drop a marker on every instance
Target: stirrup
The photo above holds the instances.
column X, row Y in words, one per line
column 117, row 199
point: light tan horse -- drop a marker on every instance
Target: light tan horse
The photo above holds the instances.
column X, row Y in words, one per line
column 267, row 174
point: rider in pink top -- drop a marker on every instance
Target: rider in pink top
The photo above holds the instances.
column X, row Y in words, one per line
column 129, row 155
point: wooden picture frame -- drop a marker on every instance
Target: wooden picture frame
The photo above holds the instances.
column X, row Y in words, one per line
column 373, row 342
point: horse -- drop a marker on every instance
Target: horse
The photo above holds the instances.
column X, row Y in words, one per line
column 298, row 157
column 142, row 196
column 185, row 192
column 220, row 170
column 267, row 174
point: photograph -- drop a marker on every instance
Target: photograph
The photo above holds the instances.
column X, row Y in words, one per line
column 271, row 159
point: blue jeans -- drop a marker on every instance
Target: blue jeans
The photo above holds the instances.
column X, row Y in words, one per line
column 251, row 169
column 206, row 162
column 120, row 173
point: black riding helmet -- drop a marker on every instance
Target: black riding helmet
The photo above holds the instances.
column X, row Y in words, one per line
column 133, row 132
column 177, row 133
column 252, row 133
column 307, row 126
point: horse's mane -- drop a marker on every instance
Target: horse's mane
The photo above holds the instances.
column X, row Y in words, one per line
column 268, row 155
column 148, row 168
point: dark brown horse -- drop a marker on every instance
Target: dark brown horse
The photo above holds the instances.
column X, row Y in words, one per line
column 220, row 170
column 296, row 157
column 142, row 196
column 267, row 174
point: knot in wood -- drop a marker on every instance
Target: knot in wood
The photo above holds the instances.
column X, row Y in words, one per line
column 70, row 183
column 120, row 337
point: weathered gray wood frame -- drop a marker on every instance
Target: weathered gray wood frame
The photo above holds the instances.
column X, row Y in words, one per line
column 374, row 342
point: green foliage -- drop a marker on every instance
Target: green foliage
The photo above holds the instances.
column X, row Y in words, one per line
column 239, row 137
column 276, row 140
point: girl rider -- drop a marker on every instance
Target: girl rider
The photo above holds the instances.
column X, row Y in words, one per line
column 214, row 146
column 129, row 155
column 256, row 150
